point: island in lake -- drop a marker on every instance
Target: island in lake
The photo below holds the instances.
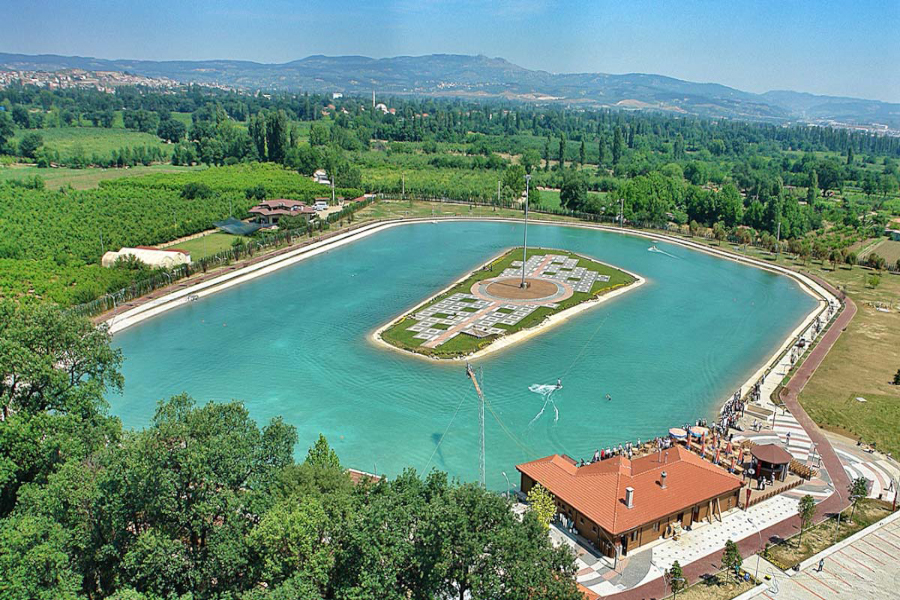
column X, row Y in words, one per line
column 505, row 299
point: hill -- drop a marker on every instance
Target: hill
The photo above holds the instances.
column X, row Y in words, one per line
column 454, row 75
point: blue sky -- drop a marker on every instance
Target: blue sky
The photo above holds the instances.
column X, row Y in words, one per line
column 826, row 47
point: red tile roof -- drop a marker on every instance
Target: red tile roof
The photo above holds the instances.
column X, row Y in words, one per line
column 597, row 490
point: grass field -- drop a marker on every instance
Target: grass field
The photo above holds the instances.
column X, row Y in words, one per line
column 91, row 140
column 400, row 336
column 206, row 245
column 83, row 179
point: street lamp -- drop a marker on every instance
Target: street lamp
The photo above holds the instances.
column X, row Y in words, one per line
column 525, row 240
column 758, row 533
column 507, row 484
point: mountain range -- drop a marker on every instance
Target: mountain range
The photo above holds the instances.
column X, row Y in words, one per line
column 481, row 77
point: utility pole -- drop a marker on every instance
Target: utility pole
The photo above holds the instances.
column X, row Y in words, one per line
column 470, row 373
column 778, row 240
column 621, row 212
column 525, row 239
column 498, row 191
column 403, row 184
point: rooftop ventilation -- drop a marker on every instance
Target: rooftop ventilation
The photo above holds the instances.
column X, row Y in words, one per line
column 629, row 497
column 662, row 480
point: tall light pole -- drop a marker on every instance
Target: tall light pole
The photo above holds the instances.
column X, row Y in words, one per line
column 507, row 484
column 525, row 240
column 758, row 533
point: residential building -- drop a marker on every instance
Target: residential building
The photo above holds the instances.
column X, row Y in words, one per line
column 269, row 212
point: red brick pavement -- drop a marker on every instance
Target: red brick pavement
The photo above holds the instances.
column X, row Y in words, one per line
column 711, row 563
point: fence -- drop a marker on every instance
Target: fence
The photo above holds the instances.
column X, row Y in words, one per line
column 165, row 278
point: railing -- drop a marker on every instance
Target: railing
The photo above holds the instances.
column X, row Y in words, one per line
column 166, row 278
column 756, row 499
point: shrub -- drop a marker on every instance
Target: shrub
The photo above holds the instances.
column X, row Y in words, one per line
column 194, row 190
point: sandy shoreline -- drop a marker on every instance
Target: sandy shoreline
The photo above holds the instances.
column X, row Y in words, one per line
column 121, row 321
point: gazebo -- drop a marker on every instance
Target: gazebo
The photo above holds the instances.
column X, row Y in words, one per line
column 771, row 461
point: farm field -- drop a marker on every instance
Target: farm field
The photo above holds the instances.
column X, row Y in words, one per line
column 889, row 250
column 85, row 179
column 91, row 140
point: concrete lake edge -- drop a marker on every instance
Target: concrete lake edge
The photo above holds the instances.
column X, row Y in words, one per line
column 157, row 306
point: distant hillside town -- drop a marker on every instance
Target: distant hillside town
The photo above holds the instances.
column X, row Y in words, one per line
column 104, row 81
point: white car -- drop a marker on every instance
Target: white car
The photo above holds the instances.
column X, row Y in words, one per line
column 320, row 205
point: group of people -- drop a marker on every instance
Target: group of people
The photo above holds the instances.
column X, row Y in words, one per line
column 731, row 413
column 756, row 391
column 627, row 450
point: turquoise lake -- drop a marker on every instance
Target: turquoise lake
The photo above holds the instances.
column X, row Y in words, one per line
column 295, row 343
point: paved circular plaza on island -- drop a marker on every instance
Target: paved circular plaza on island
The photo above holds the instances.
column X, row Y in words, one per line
column 509, row 289
column 539, row 290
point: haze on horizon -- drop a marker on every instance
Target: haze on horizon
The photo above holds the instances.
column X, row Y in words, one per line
column 839, row 48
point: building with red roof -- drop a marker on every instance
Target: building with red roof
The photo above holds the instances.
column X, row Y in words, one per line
column 621, row 503
column 269, row 212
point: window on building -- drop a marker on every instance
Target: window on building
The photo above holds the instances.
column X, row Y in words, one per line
column 594, row 529
column 582, row 521
column 656, row 526
column 634, row 535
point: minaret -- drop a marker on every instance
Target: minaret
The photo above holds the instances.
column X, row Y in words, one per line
column 373, row 98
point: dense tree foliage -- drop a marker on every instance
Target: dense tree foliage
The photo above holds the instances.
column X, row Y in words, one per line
column 53, row 252
column 205, row 504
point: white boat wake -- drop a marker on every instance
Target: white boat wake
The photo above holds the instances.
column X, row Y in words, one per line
column 655, row 249
column 547, row 392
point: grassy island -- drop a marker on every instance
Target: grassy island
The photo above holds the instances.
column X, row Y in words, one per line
column 490, row 303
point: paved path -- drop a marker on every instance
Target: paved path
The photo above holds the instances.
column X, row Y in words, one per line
column 864, row 568
column 791, row 392
column 711, row 563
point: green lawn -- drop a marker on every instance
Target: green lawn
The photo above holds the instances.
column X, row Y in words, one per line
column 208, row 244
column 83, row 179
column 399, row 335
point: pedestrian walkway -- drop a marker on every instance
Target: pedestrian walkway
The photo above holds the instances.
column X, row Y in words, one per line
column 735, row 525
column 883, row 473
column 792, row 436
column 864, row 568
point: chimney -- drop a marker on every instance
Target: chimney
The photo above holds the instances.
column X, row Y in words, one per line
column 629, row 497
column 662, row 480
